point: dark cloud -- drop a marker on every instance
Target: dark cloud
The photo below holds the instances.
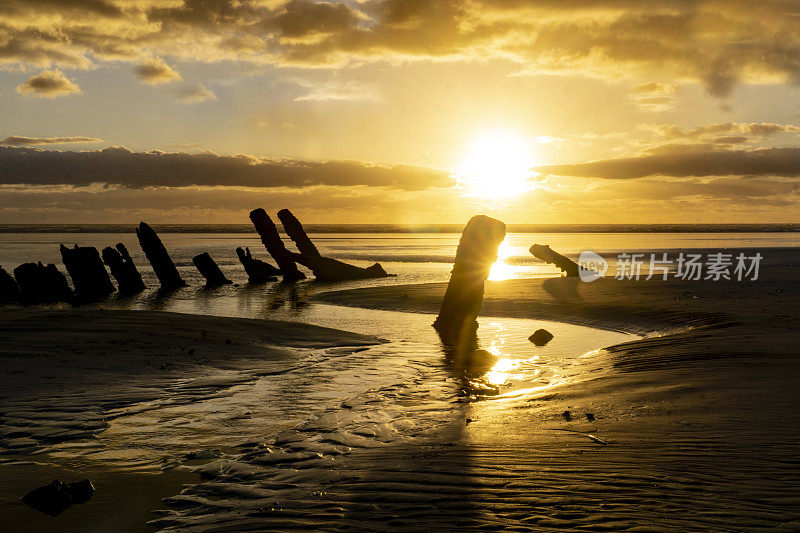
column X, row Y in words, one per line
column 123, row 167
column 714, row 42
column 48, row 84
column 19, row 140
column 687, row 162
column 155, row 72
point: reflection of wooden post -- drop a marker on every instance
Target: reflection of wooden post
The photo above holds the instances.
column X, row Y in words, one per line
column 158, row 256
column 274, row 245
column 477, row 251
column 547, row 255
column 9, row 290
column 296, row 232
column 257, row 271
column 120, row 263
column 210, row 270
column 89, row 276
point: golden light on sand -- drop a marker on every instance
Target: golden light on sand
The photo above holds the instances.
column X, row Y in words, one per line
column 500, row 269
column 497, row 165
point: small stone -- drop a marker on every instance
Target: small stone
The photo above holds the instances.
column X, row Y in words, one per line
column 228, row 342
column 590, row 417
column 57, row 497
column 541, row 337
column 567, row 416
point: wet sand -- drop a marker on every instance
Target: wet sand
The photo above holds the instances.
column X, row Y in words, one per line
column 693, row 426
column 76, row 379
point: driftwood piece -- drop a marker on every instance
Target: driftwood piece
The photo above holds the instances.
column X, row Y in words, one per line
column 327, row 269
column 210, row 270
column 9, row 290
column 159, row 258
column 257, row 271
column 274, row 245
column 122, row 268
column 89, row 276
column 547, row 255
column 296, row 232
column 40, row 284
column 324, row 268
column 477, row 251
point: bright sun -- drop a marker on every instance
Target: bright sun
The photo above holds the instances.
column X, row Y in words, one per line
column 497, row 165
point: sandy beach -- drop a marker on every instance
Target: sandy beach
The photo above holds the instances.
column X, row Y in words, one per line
column 691, row 426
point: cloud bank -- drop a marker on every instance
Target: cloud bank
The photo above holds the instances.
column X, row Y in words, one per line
column 715, row 42
column 19, row 140
column 123, row 167
column 688, row 161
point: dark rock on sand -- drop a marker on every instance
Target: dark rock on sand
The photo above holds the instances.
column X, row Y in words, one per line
column 541, row 337
column 567, row 416
column 57, row 497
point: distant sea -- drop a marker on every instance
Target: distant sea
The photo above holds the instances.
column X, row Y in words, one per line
column 412, row 228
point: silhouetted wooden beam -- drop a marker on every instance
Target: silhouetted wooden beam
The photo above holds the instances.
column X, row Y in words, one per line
column 89, row 276
column 274, row 245
column 257, row 271
column 477, row 252
column 122, row 268
column 547, row 255
column 39, row 283
column 159, row 258
column 296, row 232
column 327, row 269
column 9, row 290
column 210, row 270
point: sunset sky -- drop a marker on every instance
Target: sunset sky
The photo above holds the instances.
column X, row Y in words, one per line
column 400, row 111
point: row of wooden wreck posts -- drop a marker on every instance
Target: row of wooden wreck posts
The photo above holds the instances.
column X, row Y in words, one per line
column 39, row 283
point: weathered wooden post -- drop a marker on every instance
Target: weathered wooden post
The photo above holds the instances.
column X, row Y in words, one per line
column 274, row 245
column 9, row 290
column 89, row 276
column 210, row 270
column 158, row 256
column 296, row 232
column 122, row 268
column 477, row 252
column 257, row 271
column 39, row 283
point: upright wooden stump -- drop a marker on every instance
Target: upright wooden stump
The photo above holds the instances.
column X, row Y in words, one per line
column 89, row 276
column 122, row 268
column 294, row 229
column 158, row 256
column 210, row 270
column 476, row 253
column 9, row 290
column 274, row 245
column 40, row 284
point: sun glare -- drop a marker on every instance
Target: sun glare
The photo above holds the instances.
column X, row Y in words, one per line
column 497, row 165
column 500, row 269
